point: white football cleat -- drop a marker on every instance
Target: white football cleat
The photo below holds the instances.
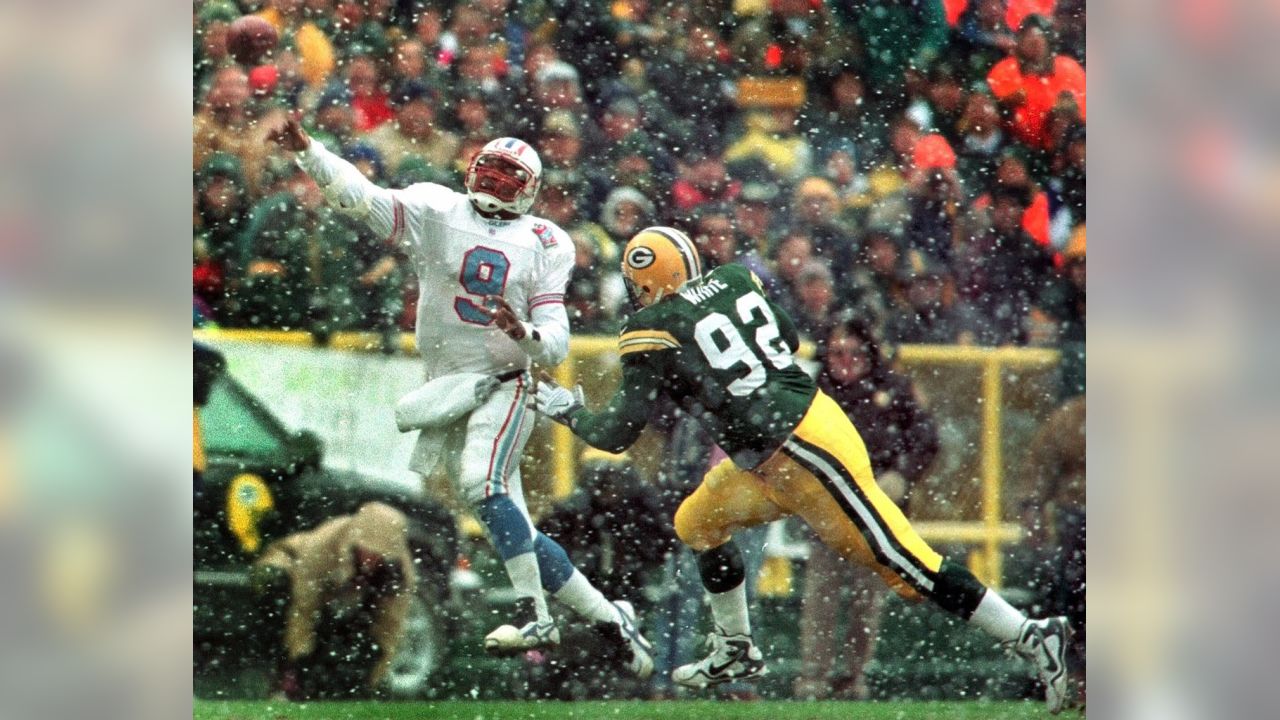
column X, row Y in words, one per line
column 1044, row 644
column 526, row 632
column 512, row 640
column 733, row 657
column 637, row 652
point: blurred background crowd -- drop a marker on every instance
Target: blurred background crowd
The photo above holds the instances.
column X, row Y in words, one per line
column 917, row 162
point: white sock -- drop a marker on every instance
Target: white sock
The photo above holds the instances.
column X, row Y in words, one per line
column 523, row 571
column 997, row 617
column 583, row 598
column 729, row 610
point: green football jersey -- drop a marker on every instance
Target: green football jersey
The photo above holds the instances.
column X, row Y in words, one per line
column 723, row 351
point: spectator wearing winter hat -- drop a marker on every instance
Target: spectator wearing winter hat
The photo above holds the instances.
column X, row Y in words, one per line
column 755, row 216
column 840, row 111
column 841, row 168
column 625, row 212
column 1033, row 81
column 472, row 114
column 622, row 130
column 1004, row 271
column 792, row 253
column 414, row 132
column 946, row 96
column 933, row 198
column 560, row 147
column 634, row 167
column 934, row 314
column 333, row 122
column 815, row 209
column 369, row 102
column 556, row 86
column 982, row 138
column 815, row 301
column 367, row 160
column 409, row 65
column 1017, row 11
column 876, row 281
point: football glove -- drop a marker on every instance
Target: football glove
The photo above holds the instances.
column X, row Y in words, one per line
column 556, row 402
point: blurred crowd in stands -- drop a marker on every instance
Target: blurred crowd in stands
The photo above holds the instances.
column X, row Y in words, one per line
column 917, row 162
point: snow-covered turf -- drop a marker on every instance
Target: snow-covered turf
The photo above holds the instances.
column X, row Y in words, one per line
column 621, row 710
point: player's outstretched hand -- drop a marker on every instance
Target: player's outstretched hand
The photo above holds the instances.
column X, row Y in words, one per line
column 556, row 402
column 504, row 317
column 290, row 135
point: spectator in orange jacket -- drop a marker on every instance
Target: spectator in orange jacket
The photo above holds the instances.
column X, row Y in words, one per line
column 1034, row 81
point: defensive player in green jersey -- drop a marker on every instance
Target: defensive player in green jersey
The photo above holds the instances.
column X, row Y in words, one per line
column 723, row 351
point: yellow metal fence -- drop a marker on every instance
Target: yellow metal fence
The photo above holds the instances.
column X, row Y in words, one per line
column 987, row 535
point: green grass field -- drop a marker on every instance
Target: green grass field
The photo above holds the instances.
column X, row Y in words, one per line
column 624, row 710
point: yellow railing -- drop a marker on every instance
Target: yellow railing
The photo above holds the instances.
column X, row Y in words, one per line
column 989, row 533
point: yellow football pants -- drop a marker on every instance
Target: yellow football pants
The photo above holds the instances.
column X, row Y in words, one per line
column 822, row 474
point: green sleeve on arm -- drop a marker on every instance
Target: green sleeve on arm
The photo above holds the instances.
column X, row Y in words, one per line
column 616, row 427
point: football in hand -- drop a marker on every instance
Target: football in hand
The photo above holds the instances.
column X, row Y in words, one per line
column 249, row 38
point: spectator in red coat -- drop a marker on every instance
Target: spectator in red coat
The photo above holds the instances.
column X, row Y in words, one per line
column 703, row 180
column 1034, row 81
column 369, row 101
column 1017, row 11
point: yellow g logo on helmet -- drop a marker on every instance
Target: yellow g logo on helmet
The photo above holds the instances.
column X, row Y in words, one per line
column 248, row 501
column 640, row 257
column 658, row 261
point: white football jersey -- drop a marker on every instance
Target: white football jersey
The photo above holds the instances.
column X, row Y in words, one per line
column 460, row 257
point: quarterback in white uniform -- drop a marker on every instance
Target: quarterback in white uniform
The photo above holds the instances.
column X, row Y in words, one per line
column 491, row 298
